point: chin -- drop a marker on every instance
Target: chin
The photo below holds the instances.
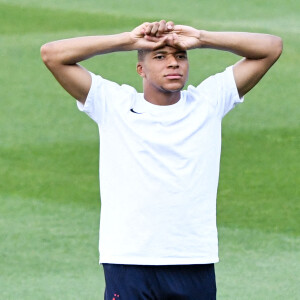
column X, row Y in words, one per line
column 174, row 89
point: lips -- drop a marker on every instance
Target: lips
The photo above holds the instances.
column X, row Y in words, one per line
column 173, row 76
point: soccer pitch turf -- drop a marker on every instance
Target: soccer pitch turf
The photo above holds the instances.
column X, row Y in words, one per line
column 49, row 194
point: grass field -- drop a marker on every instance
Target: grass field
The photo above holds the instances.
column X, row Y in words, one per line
column 49, row 193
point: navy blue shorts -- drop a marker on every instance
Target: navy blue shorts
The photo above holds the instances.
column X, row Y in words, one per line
column 139, row 282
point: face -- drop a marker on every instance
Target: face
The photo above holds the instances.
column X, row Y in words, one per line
column 165, row 70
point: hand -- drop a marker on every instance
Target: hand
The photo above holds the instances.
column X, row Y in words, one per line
column 183, row 37
column 151, row 36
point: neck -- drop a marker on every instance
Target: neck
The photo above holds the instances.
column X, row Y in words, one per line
column 161, row 97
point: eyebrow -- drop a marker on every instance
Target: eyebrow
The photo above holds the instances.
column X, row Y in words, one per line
column 166, row 52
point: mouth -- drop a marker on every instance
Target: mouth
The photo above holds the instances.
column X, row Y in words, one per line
column 173, row 76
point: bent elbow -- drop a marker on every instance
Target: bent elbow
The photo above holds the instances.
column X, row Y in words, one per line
column 277, row 47
column 48, row 54
column 45, row 53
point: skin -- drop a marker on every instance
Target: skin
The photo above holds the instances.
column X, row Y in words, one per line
column 258, row 51
column 164, row 72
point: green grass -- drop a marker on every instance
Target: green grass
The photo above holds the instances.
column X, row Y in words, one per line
column 257, row 265
column 49, row 193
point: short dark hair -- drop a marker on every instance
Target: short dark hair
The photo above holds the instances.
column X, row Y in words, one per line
column 142, row 53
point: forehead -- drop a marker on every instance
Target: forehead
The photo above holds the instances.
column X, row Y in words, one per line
column 167, row 50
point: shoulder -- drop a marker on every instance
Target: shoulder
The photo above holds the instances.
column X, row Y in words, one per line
column 215, row 81
column 215, row 89
column 106, row 85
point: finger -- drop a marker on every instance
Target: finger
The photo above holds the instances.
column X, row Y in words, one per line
column 162, row 28
column 170, row 25
column 161, row 43
column 176, row 41
column 148, row 28
column 173, row 41
column 154, row 28
column 143, row 28
column 152, row 38
column 178, row 29
column 169, row 40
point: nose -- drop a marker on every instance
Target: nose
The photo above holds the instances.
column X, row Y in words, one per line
column 172, row 62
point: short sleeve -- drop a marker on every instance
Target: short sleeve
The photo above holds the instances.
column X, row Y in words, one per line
column 94, row 105
column 221, row 91
column 105, row 98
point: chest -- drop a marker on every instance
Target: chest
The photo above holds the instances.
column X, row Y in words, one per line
column 184, row 132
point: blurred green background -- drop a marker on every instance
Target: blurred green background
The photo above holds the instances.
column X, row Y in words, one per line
column 49, row 189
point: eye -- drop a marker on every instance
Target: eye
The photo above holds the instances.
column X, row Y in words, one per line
column 182, row 56
column 159, row 57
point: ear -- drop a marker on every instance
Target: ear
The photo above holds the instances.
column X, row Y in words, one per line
column 140, row 69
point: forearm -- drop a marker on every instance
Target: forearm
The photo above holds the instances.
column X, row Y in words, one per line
column 249, row 45
column 74, row 50
column 259, row 52
column 62, row 57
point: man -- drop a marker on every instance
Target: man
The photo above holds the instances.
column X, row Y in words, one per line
column 160, row 152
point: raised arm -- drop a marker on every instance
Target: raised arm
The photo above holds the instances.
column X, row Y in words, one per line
column 62, row 57
column 259, row 51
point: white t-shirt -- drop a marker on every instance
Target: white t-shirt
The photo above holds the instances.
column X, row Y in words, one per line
column 159, row 170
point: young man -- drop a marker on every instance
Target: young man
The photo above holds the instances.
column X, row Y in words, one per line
column 160, row 152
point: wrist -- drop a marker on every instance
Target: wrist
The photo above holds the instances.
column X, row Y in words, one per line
column 201, row 38
column 126, row 41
